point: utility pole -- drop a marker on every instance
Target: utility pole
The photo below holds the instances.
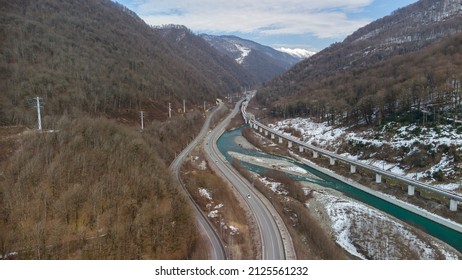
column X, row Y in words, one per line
column 142, row 119
column 169, row 110
column 39, row 115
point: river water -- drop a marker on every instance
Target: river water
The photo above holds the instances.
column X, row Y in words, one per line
column 227, row 143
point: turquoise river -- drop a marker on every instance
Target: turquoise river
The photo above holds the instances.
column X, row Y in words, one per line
column 227, row 143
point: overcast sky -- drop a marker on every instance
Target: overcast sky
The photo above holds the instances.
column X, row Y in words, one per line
column 308, row 24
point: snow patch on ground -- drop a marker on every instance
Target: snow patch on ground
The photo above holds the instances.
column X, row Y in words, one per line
column 202, row 165
column 213, row 214
column 312, row 132
column 198, row 163
column 295, row 169
column 8, row 255
column 326, row 136
column 234, row 230
column 276, row 164
column 205, row 193
column 370, row 234
column 276, row 187
column 409, row 135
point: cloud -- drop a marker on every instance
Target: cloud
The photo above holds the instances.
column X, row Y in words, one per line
column 321, row 18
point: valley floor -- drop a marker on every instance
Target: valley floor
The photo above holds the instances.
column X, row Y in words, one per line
column 368, row 233
column 363, row 231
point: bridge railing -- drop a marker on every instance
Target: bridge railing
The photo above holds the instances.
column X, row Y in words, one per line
column 332, row 155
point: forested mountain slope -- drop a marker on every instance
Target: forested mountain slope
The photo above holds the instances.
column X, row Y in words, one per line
column 263, row 62
column 408, row 59
column 91, row 185
column 209, row 61
column 95, row 57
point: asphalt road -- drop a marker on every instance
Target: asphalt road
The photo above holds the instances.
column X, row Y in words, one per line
column 271, row 239
column 216, row 248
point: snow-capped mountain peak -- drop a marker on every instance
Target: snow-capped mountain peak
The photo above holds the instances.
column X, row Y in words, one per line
column 261, row 61
column 298, row 53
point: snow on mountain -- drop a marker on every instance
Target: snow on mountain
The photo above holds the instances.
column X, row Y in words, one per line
column 406, row 137
column 262, row 62
column 371, row 234
column 298, row 53
column 244, row 53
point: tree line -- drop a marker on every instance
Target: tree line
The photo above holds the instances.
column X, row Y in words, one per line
column 92, row 185
column 96, row 189
column 99, row 59
column 424, row 81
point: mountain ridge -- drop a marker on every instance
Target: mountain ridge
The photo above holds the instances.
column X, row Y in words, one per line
column 297, row 52
column 262, row 61
column 99, row 58
column 92, row 184
column 337, row 75
column 222, row 69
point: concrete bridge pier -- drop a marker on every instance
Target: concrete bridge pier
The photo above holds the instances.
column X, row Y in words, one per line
column 266, row 132
column 272, row 136
column 289, row 144
column 378, row 178
column 260, row 129
column 280, row 140
column 315, row 154
column 352, row 169
column 255, row 126
column 452, row 205
column 332, row 161
column 410, row 190
column 300, row 149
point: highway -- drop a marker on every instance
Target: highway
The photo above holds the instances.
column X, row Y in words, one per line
column 273, row 245
column 216, row 248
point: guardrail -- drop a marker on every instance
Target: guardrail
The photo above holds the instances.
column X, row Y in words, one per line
column 412, row 184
